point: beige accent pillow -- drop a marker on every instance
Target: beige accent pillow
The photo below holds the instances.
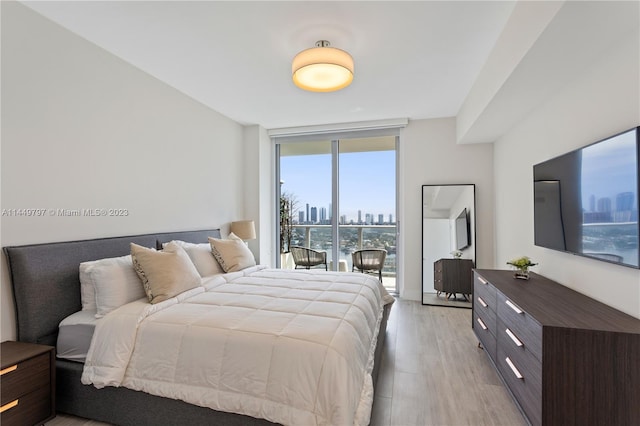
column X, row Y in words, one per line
column 201, row 256
column 232, row 254
column 164, row 274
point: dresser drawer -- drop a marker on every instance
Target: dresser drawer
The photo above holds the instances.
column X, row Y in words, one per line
column 518, row 378
column 25, row 377
column 485, row 310
column 485, row 334
column 520, row 355
column 487, row 316
column 30, row 409
column 482, row 288
column 521, row 323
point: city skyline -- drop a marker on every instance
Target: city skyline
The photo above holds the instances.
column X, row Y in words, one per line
column 608, row 170
column 367, row 182
column 321, row 215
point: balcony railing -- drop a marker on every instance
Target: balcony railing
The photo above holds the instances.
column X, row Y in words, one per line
column 352, row 237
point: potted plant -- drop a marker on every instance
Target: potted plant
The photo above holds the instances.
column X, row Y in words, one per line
column 521, row 265
column 288, row 206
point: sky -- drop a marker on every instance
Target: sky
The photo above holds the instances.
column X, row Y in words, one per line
column 367, row 182
column 609, row 168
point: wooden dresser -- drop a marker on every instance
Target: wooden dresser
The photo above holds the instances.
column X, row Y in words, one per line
column 27, row 381
column 453, row 276
column 566, row 358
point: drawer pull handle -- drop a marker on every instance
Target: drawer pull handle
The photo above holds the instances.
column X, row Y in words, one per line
column 482, row 302
column 513, row 306
column 514, row 369
column 482, row 280
column 8, row 406
column 484, row 327
column 514, row 338
column 8, row 370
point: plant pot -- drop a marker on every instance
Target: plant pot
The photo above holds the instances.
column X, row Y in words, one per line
column 286, row 261
column 521, row 274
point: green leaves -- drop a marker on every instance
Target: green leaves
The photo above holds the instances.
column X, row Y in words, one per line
column 523, row 263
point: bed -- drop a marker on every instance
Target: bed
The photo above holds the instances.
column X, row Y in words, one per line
column 45, row 281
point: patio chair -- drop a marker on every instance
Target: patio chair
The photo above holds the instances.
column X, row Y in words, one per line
column 306, row 258
column 369, row 260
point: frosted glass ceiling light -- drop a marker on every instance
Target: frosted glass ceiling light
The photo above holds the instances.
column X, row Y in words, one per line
column 322, row 68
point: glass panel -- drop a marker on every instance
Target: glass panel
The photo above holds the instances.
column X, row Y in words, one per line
column 367, row 182
column 305, row 203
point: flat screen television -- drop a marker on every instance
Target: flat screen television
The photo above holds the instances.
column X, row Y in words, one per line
column 586, row 201
column 463, row 230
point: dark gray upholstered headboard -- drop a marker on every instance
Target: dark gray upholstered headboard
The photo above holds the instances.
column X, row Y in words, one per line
column 46, row 283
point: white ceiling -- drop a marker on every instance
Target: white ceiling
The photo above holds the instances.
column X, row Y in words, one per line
column 488, row 63
column 413, row 60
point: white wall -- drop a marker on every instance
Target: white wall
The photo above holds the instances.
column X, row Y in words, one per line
column 464, row 201
column 83, row 129
column 429, row 155
column 259, row 192
column 600, row 102
column 435, row 247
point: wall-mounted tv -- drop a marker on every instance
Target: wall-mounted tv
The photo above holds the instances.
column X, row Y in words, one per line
column 586, row 201
column 463, row 230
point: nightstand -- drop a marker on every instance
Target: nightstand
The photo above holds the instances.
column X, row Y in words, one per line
column 27, row 382
column 453, row 276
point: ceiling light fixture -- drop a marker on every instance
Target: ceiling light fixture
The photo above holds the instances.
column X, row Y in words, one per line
column 322, row 68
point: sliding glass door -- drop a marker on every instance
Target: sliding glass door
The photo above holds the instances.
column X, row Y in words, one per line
column 305, row 186
column 339, row 195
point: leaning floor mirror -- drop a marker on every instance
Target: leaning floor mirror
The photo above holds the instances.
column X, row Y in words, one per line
column 448, row 244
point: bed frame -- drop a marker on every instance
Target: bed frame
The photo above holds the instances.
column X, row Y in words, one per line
column 46, row 289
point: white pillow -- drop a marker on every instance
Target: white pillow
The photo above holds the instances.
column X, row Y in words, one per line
column 164, row 274
column 232, row 254
column 202, row 258
column 87, row 289
column 114, row 281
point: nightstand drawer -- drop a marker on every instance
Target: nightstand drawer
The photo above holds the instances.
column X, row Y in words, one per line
column 25, row 377
column 27, row 383
column 30, row 409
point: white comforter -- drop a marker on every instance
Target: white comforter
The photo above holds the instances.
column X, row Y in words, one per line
column 292, row 347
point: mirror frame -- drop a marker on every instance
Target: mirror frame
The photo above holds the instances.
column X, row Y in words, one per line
column 473, row 253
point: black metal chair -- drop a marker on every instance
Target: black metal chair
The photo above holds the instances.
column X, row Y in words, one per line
column 369, row 260
column 307, row 258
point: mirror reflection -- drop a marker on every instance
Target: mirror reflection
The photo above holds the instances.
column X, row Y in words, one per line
column 448, row 244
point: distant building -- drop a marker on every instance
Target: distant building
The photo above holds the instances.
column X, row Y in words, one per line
column 380, row 219
column 596, row 217
column 624, row 207
column 323, row 214
column 624, row 201
column 314, row 215
column 604, row 204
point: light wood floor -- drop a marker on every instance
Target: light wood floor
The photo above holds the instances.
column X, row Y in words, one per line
column 432, row 373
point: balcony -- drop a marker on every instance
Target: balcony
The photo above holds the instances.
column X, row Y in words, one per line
column 352, row 237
